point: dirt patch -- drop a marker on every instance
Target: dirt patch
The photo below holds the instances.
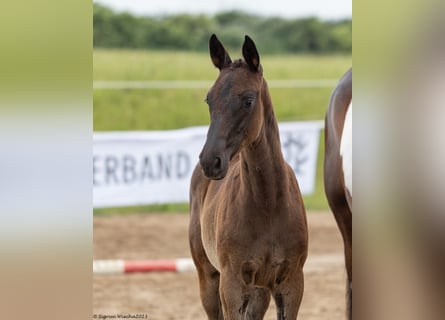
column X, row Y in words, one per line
column 176, row 296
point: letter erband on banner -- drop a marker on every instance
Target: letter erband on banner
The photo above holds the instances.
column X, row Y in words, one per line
column 155, row 167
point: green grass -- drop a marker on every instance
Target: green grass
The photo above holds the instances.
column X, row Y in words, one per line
column 114, row 64
column 162, row 109
column 165, row 208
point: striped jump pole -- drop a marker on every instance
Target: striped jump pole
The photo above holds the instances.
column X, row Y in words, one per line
column 127, row 266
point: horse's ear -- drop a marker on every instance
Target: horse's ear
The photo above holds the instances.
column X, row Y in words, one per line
column 218, row 54
column 250, row 54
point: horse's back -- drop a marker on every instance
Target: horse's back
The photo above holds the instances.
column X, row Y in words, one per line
column 338, row 105
column 338, row 144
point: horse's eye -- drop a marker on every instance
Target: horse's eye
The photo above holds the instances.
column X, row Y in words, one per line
column 249, row 102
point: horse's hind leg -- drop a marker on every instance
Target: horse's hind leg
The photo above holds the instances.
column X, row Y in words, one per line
column 258, row 304
column 349, row 299
column 348, row 258
column 343, row 216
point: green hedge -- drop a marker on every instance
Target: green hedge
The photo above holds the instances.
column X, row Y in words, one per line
column 191, row 32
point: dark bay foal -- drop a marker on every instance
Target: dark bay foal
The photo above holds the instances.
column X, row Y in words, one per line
column 248, row 231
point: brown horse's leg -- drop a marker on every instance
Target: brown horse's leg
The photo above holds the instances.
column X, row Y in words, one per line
column 338, row 202
column 349, row 299
column 209, row 288
column 348, row 263
column 258, row 304
column 343, row 216
column 208, row 275
column 234, row 296
column 288, row 295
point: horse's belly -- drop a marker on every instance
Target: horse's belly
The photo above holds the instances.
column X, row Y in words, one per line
column 346, row 150
column 208, row 236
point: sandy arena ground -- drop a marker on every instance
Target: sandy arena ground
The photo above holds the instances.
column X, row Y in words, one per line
column 157, row 296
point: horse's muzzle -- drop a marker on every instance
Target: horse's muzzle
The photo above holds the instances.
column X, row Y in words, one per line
column 214, row 167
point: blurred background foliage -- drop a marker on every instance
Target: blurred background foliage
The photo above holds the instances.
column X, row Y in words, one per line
column 191, row 32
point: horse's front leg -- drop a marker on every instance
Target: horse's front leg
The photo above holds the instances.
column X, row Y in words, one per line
column 288, row 295
column 234, row 295
column 258, row 304
column 208, row 275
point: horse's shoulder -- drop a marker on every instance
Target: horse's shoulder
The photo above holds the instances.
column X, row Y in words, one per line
column 198, row 182
column 197, row 174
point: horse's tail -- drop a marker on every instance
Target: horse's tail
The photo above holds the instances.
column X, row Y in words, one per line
column 349, row 299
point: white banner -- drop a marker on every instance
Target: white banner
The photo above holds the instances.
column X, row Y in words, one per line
column 148, row 167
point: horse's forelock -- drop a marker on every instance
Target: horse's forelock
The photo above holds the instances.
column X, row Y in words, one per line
column 240, row 63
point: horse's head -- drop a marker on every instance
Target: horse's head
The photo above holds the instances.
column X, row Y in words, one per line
column 235, row 107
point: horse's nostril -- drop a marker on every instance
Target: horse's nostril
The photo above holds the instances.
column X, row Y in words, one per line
column 217, row 163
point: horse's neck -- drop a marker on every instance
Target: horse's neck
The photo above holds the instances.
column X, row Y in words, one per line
column 263, row 169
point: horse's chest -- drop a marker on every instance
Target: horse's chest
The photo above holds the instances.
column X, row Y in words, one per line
column 236, row 235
